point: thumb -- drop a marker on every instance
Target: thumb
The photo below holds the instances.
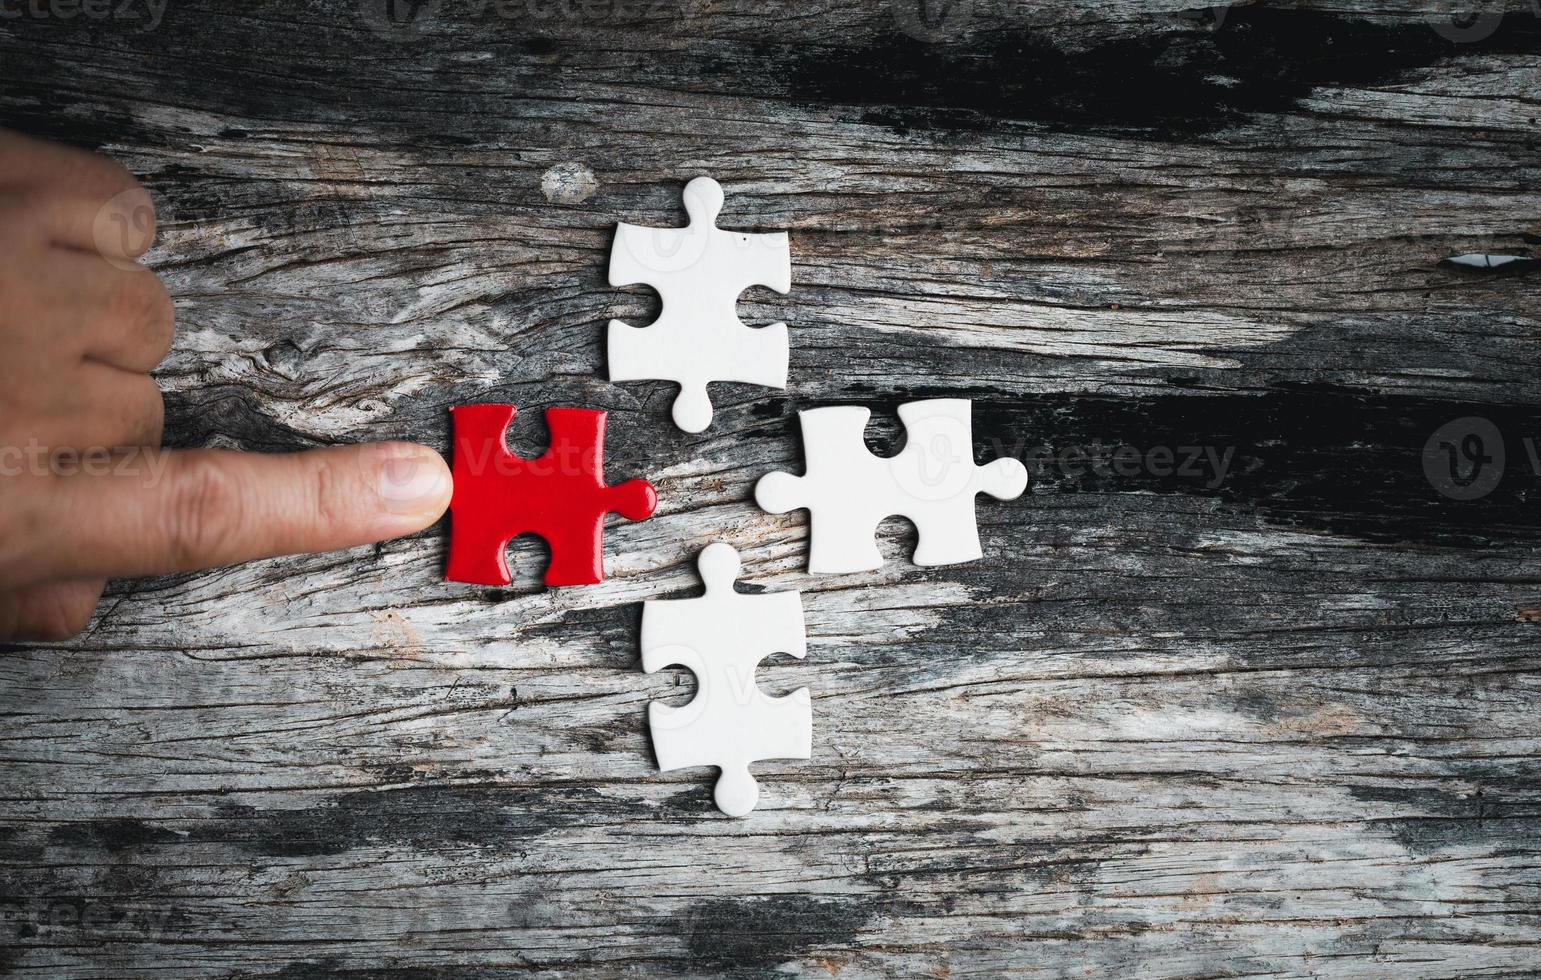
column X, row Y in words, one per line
column 182, row 510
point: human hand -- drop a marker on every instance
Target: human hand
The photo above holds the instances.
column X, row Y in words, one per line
column 85, row 490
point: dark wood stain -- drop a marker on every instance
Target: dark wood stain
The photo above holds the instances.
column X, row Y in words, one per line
column 1182, row 82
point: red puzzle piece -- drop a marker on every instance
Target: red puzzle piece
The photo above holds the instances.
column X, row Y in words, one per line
column 560, row 496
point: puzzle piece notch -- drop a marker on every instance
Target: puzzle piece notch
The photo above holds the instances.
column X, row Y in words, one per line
column 560, row 495
column 933, row 481
column 699, row 271
column 721, row 637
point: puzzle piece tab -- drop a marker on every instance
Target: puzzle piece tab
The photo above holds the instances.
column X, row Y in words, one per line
column 722, row 637
column 699, row 271
column 560, row 496
column 933, row 481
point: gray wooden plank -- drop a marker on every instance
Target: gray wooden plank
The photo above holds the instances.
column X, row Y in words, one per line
column 1279, row 723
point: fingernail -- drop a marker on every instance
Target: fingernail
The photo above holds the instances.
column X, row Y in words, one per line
column 412, row 484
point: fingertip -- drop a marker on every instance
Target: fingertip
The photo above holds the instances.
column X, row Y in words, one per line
column 413, row 484
column 124, row 227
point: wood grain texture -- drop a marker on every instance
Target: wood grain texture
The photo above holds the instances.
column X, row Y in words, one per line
column 1279, row 720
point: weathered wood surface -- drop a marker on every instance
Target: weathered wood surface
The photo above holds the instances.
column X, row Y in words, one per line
column 1282, row 723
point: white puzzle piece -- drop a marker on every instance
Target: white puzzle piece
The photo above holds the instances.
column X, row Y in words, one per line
column 699, row 271
column 933, row 481
column 722, row 637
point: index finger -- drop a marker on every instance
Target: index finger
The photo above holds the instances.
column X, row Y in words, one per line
column 183, row 510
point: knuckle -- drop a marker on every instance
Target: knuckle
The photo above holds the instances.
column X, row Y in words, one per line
column 58, row 623
column 162, row 318
column 80, row 167
column 141, row 299
column 136, row 202
column 155, row 415
column 119, row 302
column 126, row 182
column 53, row 618
column 118, row 176
column 162, row 309
column 204, row 516
column 328, row 504
column 143, row 413
column 38, row 631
